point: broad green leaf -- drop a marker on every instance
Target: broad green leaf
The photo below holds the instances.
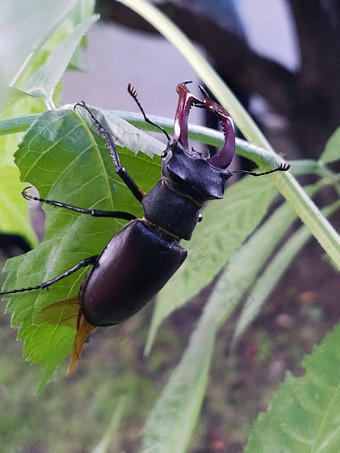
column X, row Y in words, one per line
column 15, row 216
column 304, row 415
column 125, row 135
column 226, row 224
column 332, row 150
column 42, row 84
column 14, row 209
column 63, row 159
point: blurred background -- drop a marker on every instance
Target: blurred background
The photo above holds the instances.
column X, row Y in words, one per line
column 282, row 59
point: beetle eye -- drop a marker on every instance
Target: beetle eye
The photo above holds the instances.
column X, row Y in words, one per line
column 164, row 154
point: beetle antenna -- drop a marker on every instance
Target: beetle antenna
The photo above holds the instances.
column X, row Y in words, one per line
column 133, row 92
column 281, row 167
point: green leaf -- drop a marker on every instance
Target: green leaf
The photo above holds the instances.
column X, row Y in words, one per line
column 11, row 96
column 125, row 135
column 268, row 281
column 27, row 51
column 278, row 265
column 43, row 83
column 15, row 216
column 173, row 418
column 226, row 224
column 63, row 159
column 178, row 407
column 14, row 209
column 16, row 124
column 332, row 150
column 117, row 415
column 34, row 19
column 304, row 414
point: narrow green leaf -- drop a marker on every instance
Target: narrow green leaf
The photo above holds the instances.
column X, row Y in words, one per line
column 268, row 280
column 226, row 224
column 171, row 422
column 332, row 150
column 304, row 414
column 66, row 162
column 22, row 29
column 43, row 82
column 15, row 125
column 273, row 273
column 117, row 415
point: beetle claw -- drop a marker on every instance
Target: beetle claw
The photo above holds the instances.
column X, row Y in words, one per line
column 224, row 156
column 185, row 102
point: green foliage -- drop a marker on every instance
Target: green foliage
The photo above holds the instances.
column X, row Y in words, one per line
column 72, row 415
column 331, row 152
column 62, row 158
column 33, row 75
column 304, row 413
column 43, row 82
column 179, row 405
column 235, row 247
column 266, row 282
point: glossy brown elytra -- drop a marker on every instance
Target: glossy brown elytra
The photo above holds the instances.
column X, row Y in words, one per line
column 139, row 260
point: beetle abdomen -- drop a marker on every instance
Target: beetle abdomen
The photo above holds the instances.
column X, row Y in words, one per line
column 131, row 270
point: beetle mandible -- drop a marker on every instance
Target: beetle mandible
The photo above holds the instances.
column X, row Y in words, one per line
column 146, row 253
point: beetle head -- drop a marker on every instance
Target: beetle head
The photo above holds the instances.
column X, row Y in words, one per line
column 201, row 176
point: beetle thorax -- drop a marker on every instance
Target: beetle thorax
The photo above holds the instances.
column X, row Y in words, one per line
column 191, row 174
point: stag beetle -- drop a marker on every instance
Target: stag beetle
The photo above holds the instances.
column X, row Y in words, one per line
column 140, row 259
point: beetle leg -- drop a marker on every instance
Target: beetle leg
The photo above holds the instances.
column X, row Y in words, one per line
column 120, row 170
column 83, row 263
column 92, row 212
